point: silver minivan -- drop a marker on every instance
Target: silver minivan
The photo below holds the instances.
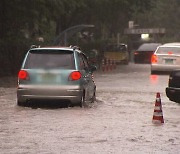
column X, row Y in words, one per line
column 56, row 73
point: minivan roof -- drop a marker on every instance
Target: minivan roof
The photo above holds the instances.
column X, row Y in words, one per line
column 57, row 48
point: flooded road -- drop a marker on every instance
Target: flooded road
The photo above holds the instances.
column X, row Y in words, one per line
column 120, row 121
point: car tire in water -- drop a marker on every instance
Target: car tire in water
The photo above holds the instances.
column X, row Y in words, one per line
column 94, row 98
column 154, row 72
column 177, row 100
column 20, row 103
column 83, row 103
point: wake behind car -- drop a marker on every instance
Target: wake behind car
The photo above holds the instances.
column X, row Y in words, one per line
column 56, row 73
column 166, row 58
column 143, row 54
column 173, row 89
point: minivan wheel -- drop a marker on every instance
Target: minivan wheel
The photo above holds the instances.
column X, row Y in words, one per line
column 93, row 98
column 83, row 103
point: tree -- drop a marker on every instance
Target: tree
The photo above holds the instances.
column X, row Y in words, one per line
column 22, row 21
column 162, row 14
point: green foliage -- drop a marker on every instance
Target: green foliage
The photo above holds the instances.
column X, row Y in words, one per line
column 163, row 14
column 23, row 21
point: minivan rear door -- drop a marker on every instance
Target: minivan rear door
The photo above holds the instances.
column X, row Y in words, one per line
column 49, row 66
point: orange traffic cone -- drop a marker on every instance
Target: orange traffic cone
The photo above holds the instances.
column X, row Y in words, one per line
column 158, row 114
column 114, row 64
column 103, row 65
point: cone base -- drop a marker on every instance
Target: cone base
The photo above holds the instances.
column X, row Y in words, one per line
column 157, row 122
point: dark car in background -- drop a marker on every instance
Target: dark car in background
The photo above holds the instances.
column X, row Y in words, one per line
column 143, row 54
column 173, row 89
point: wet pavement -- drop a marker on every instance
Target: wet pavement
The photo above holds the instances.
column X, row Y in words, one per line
column 120, row 121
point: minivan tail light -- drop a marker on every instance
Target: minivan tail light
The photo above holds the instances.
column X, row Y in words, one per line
column 154, row 59
column 23, row 75
column 76, row 75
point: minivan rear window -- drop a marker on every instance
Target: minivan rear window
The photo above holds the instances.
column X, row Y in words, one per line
column 50, row 59
column 168, row 50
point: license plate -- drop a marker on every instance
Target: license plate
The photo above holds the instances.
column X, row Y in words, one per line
column 48, row 78
column 169, row 61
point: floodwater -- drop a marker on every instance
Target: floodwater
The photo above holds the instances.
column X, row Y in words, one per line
column 120, row 121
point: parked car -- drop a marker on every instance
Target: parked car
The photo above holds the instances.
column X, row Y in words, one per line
column 119, row 53
column 56, row 73
column 173, row 89
column 166, row 58
column 144, row 52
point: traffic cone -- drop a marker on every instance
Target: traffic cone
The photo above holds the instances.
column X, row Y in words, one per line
column 107, row 65
column 103, row 65
column 158, row 114
column 110, row 64
column 114, row 64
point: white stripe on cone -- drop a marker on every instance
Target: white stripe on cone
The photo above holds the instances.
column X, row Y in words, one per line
column 158, row 114
column 157, row 108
